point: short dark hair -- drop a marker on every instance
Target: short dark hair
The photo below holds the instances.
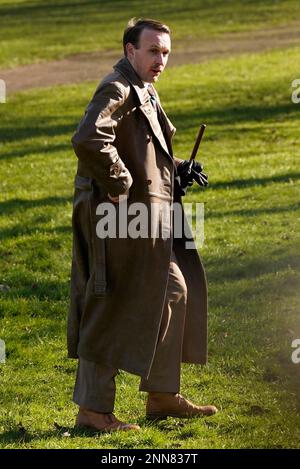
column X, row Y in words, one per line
column 135, row 27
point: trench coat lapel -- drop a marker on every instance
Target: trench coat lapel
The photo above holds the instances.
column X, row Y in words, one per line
column 126, row 69
column 151, row 116
column 170, row 129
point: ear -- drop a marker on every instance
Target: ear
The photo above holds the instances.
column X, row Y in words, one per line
column 130, row 49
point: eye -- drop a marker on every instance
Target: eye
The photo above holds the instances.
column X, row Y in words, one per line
column 157, row 51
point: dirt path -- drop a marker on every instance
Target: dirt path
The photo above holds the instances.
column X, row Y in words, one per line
column 92, row 66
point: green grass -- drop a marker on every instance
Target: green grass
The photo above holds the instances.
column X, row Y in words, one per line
column 39, row 30
column 251, row 253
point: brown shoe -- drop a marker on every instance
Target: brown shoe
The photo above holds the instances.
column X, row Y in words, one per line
column 161, row 405
column 101, row 422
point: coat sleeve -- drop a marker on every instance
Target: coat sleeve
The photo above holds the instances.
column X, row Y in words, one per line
column 177, row 161
column 94, row 140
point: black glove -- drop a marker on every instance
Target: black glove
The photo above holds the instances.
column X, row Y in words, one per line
column 187, row 175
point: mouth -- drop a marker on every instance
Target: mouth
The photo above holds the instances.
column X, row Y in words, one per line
column 156, row 71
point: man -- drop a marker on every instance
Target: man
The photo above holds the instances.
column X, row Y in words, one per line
column 137, row 303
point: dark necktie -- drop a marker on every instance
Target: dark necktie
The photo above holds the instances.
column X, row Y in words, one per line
column 152, row 98
column 153, row 101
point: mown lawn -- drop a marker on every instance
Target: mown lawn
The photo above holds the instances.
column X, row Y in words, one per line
column 39, row 30
column 251, row 253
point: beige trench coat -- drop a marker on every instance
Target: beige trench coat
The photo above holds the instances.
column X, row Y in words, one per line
column 118, row 285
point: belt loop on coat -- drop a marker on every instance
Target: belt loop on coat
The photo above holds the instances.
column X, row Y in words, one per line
column 100, row 272
column 100, row 257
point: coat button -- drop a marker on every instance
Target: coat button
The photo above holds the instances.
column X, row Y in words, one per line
column 149, row 182
column 148, row 138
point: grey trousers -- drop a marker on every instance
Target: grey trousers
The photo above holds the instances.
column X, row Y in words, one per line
column 95, row 387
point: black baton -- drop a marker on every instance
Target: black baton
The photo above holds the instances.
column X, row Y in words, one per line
column 196, row 146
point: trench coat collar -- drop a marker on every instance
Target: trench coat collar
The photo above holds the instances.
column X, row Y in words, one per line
column 126, row 69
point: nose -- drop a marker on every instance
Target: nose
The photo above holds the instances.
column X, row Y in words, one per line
column 160, row 59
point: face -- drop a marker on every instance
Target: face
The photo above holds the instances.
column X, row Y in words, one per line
column 151, row 57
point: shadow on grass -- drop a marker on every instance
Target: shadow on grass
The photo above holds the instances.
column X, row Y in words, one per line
column 59, row 11
column 19, row 434
column 16, row 131
column 37, row 150
column 40, row 126
column 242, row 266
column 10, row 206
column 20, row 230
column 233, row 115
column 251, row 212
column 253, row 182
column 41, row 290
